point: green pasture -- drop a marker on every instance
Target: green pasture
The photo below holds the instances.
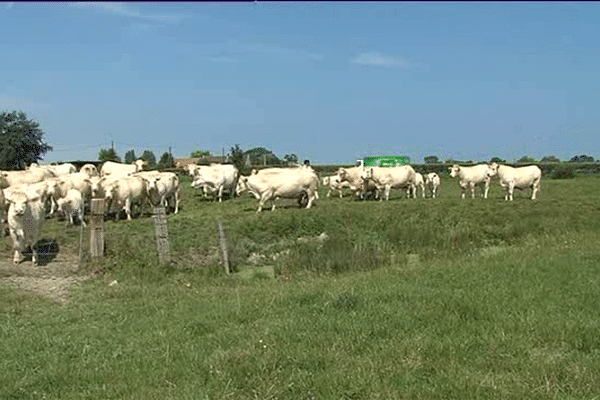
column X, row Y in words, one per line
column 408, row 299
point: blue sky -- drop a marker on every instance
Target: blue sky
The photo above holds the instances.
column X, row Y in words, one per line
column 331, row 81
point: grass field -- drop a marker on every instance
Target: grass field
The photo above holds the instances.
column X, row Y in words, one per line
column 412, row 298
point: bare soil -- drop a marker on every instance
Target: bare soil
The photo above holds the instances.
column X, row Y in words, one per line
column 52, row 278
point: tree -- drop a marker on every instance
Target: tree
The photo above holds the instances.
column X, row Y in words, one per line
column 582, row 158
column 431, row 160
column 130, row 157
column 238, row 158
column 200, row 153
column 21, row 141
column 260, row 156
column 291, row 159
column 166, row 161
column 497, row 160
column 549, row 159
column 526, row 159
column 108, row 155
column 148, row 156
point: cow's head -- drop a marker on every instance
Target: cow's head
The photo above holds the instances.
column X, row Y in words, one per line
column 242, row 184
column 140, row 165
column 18, row 203
column 326, row 181
column 367, row 174
column 492, row 169
column 454, row 170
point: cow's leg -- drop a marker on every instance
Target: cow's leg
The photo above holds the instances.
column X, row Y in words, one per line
column 535, row 188
column 34, row 254
column 487, row 188
column 511, row 190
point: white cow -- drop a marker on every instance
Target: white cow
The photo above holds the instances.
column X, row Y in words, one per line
column 334, row 184
column 162, row 188
column 353, row 176
column 25, row 219
column 217, row 177
column 470, row 177
column 90, row 170
column 58, row 187
column 387, row 178
column 29, row 176
column 57, row 170
column 419, row 183
column 72, row 204
column 517, row 178
column 113, row 168
column 288, row 183
column 432, row 182
column 123, row 192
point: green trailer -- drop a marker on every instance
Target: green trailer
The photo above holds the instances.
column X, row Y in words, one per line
column 385, row 161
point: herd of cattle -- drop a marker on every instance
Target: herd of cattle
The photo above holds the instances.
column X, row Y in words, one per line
column 28, row 197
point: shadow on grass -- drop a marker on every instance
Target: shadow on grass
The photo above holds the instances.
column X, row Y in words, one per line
column 47, row 251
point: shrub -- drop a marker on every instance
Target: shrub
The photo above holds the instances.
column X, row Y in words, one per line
column 562, row 172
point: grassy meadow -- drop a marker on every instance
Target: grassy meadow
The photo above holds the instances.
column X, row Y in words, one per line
column 412, row 298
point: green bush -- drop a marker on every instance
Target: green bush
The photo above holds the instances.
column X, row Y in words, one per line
column 563, row 172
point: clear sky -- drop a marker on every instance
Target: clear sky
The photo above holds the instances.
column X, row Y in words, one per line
column 330, row 82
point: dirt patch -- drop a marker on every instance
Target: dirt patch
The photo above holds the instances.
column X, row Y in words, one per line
column 51, row 280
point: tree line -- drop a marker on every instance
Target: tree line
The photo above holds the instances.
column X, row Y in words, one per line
column 522, row 160
column 22, row 143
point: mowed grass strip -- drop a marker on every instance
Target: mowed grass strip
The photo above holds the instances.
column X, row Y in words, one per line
column 405, row 299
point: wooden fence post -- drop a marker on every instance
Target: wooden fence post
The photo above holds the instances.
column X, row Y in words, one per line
column 223, row 247
column 162, row 235
column 97, row 229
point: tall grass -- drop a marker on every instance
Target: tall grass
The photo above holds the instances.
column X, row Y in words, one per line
column 411, row 298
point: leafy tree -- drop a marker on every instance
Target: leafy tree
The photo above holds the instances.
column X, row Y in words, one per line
column 166, row 161
column 237, row 158
column 148, row 156
column 549, row 159
column 200, row 153
column 497, row 160
column 431, row 160
column 582, row 158
column 108, row 155
column 526, row 159
column 130, row 157
column 21, row 142
column 291, row 159
column 452, row 161
column 260, row 156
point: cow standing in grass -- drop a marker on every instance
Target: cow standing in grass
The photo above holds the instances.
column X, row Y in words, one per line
column 25, row 218
column 517, row 178
column 470, row 177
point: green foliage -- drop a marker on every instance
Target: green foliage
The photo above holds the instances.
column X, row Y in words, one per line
column 200, row 153
column 291, row 159
column 581, row 159
column 148, row 156
column 238, row 159
column 108, row 155
column 497, row 160
column 166, row 161
column 262, row 156
column 130, row 157
column 526, row 160
column 563, row 171
column 431, row 160
column 549, row 159
column 21, row 141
